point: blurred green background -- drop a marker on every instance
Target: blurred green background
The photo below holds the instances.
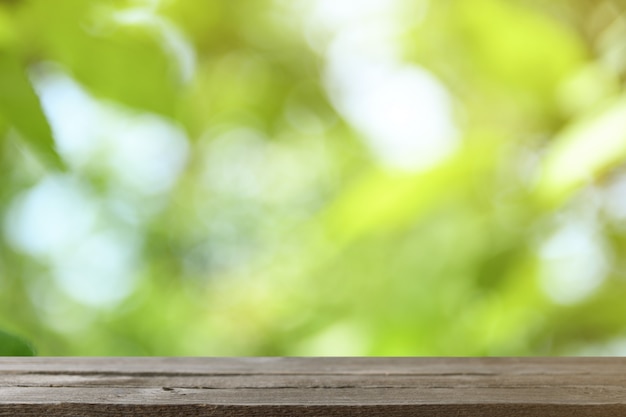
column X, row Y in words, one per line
column 313, row 177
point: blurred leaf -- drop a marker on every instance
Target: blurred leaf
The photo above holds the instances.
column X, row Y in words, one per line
column 127, row 67
column 386, row 200
column 583, row 151
column 11, row 345
column 20, row 106
column 518, row 45
column 7, row 30
column 123, row 58
column 198, row 19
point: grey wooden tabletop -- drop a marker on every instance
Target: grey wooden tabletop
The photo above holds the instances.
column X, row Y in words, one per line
column 511, row 387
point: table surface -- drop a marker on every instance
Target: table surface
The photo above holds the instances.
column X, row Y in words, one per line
column 278, row 386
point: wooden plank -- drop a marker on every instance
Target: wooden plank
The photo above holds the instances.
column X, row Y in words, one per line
column 241, row 387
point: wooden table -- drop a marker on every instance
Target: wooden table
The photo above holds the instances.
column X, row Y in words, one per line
column 432, row 387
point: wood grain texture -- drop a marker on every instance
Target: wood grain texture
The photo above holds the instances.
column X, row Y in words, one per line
column 240, row 387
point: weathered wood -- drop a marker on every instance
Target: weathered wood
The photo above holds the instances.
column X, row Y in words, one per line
column 240, row 387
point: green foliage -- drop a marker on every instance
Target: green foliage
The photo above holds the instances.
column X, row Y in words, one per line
column 21, row 109
column 585, row 150
column 114, row 59
column 312, row 178
column 11, row 345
